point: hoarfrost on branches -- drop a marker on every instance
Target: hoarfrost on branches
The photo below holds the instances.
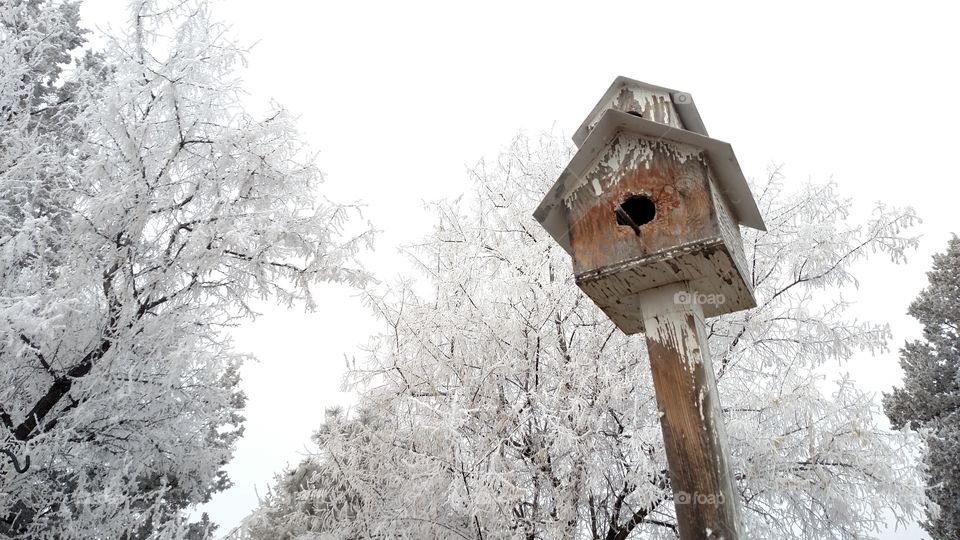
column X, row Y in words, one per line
column 141, row 208
column 502, row 404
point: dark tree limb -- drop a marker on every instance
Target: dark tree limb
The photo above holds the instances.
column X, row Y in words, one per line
column 16, row 462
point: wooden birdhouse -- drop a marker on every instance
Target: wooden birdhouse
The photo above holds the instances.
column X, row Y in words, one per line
column 649, row 200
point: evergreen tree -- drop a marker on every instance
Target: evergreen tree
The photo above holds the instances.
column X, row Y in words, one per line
column 930, row 397
column 298, row 503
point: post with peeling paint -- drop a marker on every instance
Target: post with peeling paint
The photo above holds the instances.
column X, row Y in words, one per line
column 704, row 493
column 649, row 209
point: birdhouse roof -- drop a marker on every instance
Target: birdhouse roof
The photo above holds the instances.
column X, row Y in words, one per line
column 682, row 102
column 730, row 181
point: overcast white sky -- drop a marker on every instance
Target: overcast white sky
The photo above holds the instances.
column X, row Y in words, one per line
column 400, row 97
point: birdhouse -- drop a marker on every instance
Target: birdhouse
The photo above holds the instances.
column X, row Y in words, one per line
column 648, row 200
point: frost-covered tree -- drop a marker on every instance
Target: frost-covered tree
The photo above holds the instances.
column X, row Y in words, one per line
column 141, row 209
column 501, row 403
column 930, row 397
column 294, row 505
column 37, row 106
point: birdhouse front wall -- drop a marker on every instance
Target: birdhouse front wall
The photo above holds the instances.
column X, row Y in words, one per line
column 674, row 177
column 690, row 237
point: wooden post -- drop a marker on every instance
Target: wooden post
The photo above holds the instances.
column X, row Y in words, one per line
column 690, row 416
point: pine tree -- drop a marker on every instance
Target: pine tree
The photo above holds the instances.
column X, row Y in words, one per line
column 297, row 504
column 929, row 400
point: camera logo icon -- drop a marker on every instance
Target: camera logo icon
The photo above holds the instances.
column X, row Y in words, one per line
column 682, row 98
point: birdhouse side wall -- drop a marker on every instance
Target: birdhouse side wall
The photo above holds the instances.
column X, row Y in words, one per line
column 729, row 230
column 675, row 177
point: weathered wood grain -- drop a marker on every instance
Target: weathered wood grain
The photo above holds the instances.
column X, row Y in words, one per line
column 678, row 187
column 652, row 104
column 692, row 238
column 690, row 416
column 706, row 267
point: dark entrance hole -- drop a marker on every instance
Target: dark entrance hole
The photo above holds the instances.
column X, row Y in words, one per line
column 635, row 211
column 635, row 113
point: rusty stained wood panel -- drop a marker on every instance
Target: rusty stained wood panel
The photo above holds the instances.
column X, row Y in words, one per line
column 674, row 178
column 693, row 237
column 691, row 418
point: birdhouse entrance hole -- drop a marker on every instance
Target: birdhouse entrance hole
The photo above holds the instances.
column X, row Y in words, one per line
column 635, row 211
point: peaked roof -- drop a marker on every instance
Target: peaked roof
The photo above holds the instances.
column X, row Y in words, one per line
column 682, row 102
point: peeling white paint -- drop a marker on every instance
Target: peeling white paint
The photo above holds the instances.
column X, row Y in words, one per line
column 626, row 153
column 642, row 100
